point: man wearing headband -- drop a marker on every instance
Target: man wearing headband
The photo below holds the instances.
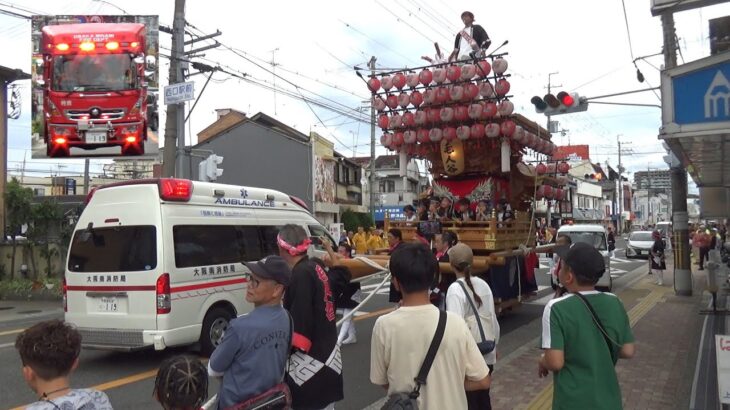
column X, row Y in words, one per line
column 315, row 371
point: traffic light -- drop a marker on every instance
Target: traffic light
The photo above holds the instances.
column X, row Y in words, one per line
column 208, row 168
column 562, row 103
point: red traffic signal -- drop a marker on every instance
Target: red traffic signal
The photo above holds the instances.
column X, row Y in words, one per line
column 566, row 99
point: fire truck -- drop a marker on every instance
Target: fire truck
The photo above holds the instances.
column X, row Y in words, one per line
column 94, row 89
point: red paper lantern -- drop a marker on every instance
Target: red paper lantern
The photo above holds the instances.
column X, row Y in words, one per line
column 500, row 66
column 420, row 117
column 490, row 110
column 463, row 133
column 409, row 137
column 467, row 72
column 492, row 130
column 373, row 84
column 404, row 100
column 519, row 135
column 461, row 113
column 475, row 111
column 447, row 114
column 442, row 95
column 383, row 121
column 507, row 128
column 486, row 90
column 378, row 103
column 416, row 98
column 457, row 93
column 429, row 97
column 453, row 73
column 435, row 134
column 386, row 139
column 502, row 87
column 541, row 169
column 477, row 131
column 559, row 194
column 398, row 139
column 506, row 108
column 422, row 135
column 439, row 75
column 471, row 91
column 392, row 102
column 399, row 81
column 483, row 69
column 412, row 80
column 425, row 76
column 386, row 82
column 396, row 121
column 540, row 192
column 449, row 133
column 433, row 115
column 563, row 168
column 409, row 119
column 548, row 191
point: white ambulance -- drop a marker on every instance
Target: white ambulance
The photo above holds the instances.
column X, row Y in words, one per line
column 158, row 263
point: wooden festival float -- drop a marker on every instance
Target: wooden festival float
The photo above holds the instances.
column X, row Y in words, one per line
column 458, row 117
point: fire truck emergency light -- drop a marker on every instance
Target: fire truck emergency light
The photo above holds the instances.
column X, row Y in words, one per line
column 112, row 45
column 87, row 46
column 62, row 46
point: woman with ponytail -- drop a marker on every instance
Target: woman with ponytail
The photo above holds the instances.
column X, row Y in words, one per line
column 459, row 299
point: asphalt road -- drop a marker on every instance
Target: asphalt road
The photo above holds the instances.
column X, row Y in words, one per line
column 151, row 148
column 128, row 377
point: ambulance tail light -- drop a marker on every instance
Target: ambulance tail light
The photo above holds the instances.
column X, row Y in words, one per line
column 162, row 289
column 180, row 190
column 299, row 202
column 64, row 286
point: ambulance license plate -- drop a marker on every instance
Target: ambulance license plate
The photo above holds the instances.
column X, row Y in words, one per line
column 95, row 137
column 108, row 304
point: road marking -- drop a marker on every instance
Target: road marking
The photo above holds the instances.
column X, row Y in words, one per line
column 4, row 345
column 11, row 332
column 544, row 400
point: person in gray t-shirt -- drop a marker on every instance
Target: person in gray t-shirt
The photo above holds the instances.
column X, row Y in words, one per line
column 253, row 353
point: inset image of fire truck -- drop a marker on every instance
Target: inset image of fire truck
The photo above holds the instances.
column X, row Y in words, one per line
column 94, row 88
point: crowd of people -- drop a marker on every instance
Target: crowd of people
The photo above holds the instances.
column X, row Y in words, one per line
column 462, row 210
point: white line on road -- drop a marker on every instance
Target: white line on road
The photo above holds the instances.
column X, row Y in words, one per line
column 4, row 345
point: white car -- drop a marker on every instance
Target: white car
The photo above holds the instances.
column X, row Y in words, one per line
column 594, row 235
column 639, row 244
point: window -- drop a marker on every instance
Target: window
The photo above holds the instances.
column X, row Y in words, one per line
column 203, row 245
column 387, row 186
column 115, row 249
column 319, row 231
column 595, row 239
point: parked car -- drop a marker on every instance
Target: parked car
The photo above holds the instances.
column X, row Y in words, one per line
column 639, row 244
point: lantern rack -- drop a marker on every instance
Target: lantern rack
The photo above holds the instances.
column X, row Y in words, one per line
column 413, row 69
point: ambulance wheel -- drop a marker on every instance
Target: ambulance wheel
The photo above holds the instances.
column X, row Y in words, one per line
column 214, row 326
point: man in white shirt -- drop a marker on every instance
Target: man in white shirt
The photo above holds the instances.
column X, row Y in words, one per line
column 472, row 38
column 401, row 339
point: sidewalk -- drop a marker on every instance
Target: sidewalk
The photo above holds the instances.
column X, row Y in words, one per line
column 667, row 329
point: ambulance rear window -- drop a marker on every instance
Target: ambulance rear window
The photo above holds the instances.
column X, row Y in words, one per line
column 114, row 249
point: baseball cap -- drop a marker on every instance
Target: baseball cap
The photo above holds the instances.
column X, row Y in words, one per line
column 583, row 259
column 459, row 254
column 271, row 267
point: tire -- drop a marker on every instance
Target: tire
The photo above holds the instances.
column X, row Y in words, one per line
column 214, row 325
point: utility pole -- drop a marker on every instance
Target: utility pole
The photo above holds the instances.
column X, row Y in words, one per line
column 86, row 176
column 680, row 219
column 619, row 228
column 371, row 65
column 174, row 124
column 548, row 214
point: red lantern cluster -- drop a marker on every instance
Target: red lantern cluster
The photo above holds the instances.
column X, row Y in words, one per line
column 464, row 101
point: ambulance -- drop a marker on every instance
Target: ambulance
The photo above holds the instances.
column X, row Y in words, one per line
column 158, row 263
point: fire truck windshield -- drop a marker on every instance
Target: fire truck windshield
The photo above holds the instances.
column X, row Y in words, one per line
column 100, row 72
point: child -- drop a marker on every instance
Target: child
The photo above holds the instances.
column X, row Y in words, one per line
column 49, row 352
column 482, row 213
column 181, row 383
column 462, row 212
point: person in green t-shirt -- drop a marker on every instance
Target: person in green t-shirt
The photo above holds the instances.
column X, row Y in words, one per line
column 575, row 349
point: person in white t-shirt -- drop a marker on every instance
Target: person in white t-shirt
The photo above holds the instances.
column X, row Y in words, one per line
column 461, row 258
column 401, row 339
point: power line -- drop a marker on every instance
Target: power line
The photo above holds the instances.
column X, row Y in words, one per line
column 628, row 33
column 351, row 27
column 403, row 21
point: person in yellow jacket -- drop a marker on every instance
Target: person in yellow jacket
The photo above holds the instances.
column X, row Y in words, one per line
column 375, row 241
column 360, row 241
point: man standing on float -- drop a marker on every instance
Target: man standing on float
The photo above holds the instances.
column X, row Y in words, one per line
column 472, row 38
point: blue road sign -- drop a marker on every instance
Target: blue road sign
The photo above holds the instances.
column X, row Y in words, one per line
column 702, row 96
column 394, row 212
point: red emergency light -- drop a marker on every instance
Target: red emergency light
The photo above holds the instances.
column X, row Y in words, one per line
column 112, row 45
column 61, row 46
column 60, row 140
column 131, row 139
column 172, row 189
column 87, row 46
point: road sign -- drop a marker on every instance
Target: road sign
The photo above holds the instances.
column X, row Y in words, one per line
column 181, row 92
column 697, row 96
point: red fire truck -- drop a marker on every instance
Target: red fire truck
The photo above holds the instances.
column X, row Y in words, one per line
column 94, row 90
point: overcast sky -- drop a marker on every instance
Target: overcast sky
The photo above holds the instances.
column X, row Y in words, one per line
column 585, row 42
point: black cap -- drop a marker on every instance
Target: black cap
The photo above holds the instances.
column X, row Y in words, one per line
column 271, row 267
column 469, row 13
column 583, row 259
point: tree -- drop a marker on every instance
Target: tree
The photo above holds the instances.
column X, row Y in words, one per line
column 17, row 206
column 350, row 220
column 47, row 217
